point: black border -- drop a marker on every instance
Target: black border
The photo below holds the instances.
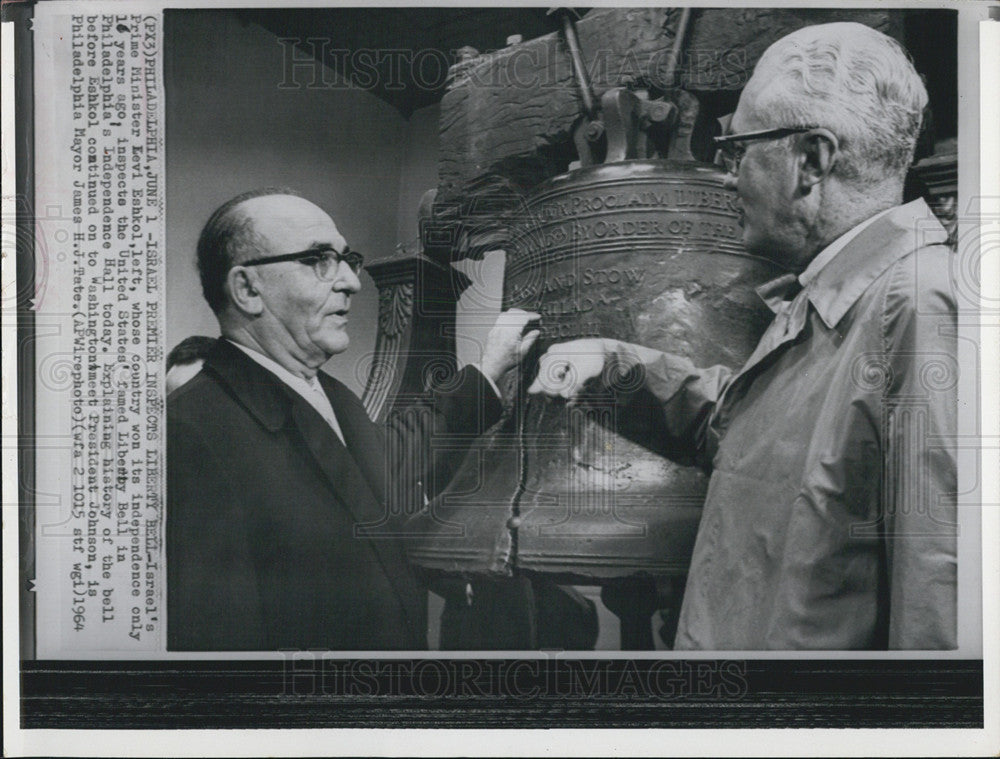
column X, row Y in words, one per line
column 20, row 13
column 502, row 693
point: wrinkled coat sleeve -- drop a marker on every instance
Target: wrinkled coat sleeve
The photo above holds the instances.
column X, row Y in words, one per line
column 426, row 434
column 919, row 492
column 679, row 398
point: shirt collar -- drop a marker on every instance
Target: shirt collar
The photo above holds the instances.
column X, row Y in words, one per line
column 779, row 290
column 841, row 272
column 310, row 389
column 292, row 380
column 826, row 255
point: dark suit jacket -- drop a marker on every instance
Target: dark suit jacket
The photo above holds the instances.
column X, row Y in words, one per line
column 262, row 505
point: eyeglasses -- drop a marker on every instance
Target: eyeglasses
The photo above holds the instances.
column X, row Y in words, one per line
column 325, row 261
column 731, row 152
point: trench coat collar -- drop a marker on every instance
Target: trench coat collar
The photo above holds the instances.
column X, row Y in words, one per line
column 838, row 285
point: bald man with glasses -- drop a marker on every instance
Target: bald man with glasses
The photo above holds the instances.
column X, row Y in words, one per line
column 273, row 466
column 830, row 518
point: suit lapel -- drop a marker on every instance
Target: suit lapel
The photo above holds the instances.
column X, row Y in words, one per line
column 338, row 465
column 365, row 443
column 274, row 404
column 356, row 479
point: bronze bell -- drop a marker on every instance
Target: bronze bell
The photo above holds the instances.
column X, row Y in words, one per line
column 646, row 251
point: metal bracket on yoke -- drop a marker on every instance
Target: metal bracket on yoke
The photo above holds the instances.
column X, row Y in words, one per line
column 626, row 124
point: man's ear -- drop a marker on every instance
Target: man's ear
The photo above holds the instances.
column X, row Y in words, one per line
column 818, row 153
column 243, row 293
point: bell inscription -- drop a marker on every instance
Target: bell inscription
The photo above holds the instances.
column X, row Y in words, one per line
column 642, row 251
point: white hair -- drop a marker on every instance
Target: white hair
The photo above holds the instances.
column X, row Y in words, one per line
column 851, row 79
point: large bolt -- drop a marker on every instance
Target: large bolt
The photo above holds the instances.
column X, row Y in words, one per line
column 658, row 111
column 594, row 131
